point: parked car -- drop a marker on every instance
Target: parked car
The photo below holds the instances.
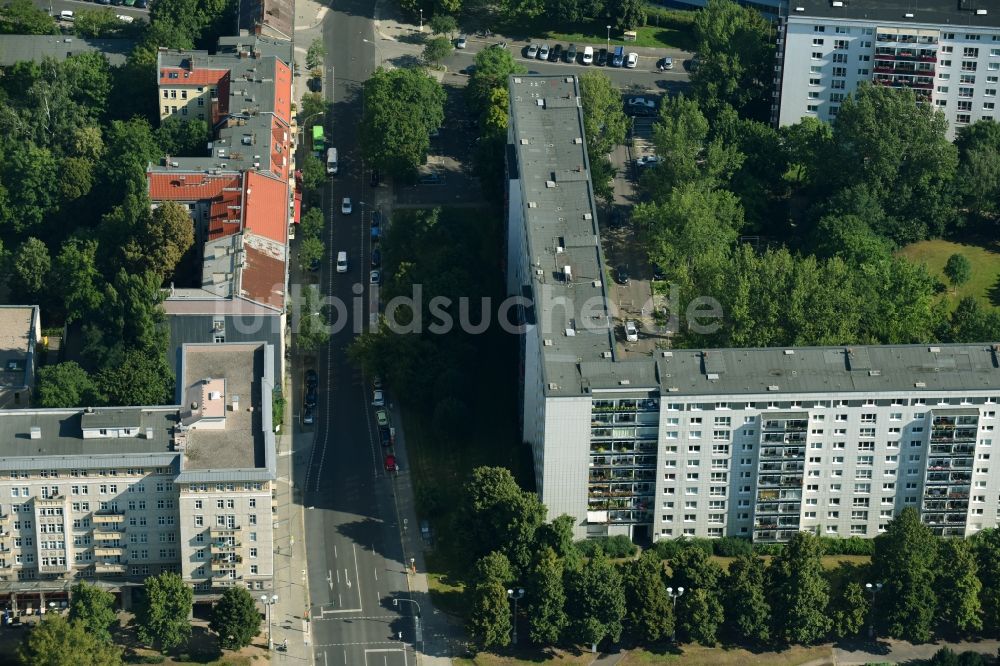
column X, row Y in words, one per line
column 390, row 463
column 461, row 42
column 312, row 397
column 602, row 58
column 387, row 436
column 141, row 4
column 618, row 58
column 632, row 60
column 588, row 55
column 543, row 53
column 665, row 63
column 377, row 382
column 621, row 274
column 640, row 106
column 312, row 379
column 631, row 332
column 378, row 398
column 425, row 532
column 648, row 161
column 315, row 265
column 556, row 53
column 571, row 53
column 376, row 218
column 376, row 258
column 308, row 416
column 382, row 417
column 532, row 51
column 345, row 206
column 376, row 278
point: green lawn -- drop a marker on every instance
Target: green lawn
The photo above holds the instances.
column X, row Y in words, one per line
column 829, row 561
column 985, row 259
column 697, row 655
column 665, row 29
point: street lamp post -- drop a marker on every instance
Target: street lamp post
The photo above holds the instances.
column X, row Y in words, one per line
column 378, row 49
column 268, row 602
column 515, row 595
column 674, row 596
column 874, row 589
column 421, row 19
column 609, row 37
column 416, row 621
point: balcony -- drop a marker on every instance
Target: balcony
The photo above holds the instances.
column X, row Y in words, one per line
column 103, row 551
column 109, row 568
column 117, row 518
column 111, row 535
column 227, row 582
column 220, row 533
column 223, row 547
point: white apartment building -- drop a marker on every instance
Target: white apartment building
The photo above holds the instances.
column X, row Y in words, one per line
column 721, row 442
column 947, row 51
column 116, row 494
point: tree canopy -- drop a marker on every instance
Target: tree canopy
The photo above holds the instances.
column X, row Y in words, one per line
column 162, row 616
column 57, row 641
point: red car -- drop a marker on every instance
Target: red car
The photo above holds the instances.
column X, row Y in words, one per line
column 390, row 463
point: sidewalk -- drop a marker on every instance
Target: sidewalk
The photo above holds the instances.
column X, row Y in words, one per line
column 441, row 638
column 289, row 614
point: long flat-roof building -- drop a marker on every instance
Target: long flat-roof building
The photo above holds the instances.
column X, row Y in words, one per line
column 20, row 335
column 117, row 494
column 742, row 442
column 946, row 51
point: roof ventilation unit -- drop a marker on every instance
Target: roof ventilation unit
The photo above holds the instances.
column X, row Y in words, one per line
column 35, row 432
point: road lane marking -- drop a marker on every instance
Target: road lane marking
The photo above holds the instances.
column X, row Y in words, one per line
column 356, row 575
column 347, row 579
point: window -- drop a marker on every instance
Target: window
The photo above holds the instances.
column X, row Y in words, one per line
column 963, row 119
column 815, row 69
column 837, row 84
column 945, row 63
column 840, row 57
column 964, row 105
column 990, row 92
column 817, row 55
column 970, row 52
column 817, row 42
column 973, row 38
column 840, row 71
column 840, row 44
column 819, row 28
column 969, row 65
column 967, row 79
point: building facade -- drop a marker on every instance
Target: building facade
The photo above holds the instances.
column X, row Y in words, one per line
column 757, row 443
column 114, row 495
column 946, row 51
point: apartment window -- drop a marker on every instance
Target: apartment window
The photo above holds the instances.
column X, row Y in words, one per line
column 973, row 38
column 840, row 58
column 863, row 72
column 817, row 55
column 840, row 44
column 963, row 119
column 837, row 84
column 969, row 65
column 817, row 42
column 840, row 71
column 969, row 79
column 815, row 69
column 970, row 52
column 964, row 105
column 945, row 63
column 819, row 28
column 990, row 92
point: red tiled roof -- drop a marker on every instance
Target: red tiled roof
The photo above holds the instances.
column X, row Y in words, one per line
column 224, row 192
column 281, row 148
column 263, row 277
column 283, row 91
column 190, row 77
column 266, row 206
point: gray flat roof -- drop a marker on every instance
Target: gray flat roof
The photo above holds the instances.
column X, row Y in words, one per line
column 17, row 48
column 561, row 225
column 268, row 46
column 239, row 443
column 956, row 13
column 803, row 370
column 60, row 433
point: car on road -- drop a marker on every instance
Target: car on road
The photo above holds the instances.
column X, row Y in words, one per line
column 376, row 258
column 315, row 84
column 345, row 206
column 312, row 379
column 556, row 53
column 543, row 53
column 602, row 58
column 648, row 161
column 532, row 51
column 342, row 262
column 390, row 463
column 432, row 178
column 665, row 63
column 631, row 332
column 387, row 436
column 621, row 274
column 315, row 265
column 588, row 55
column 425, row 532
column 376, row 382
column 618, row 58
column 312, row 397
column 382, row 418
column 376, row 232
column 376, row 278
column 632, row 60
column 308, row 416
column 378, row 398
column 461, row 42
column 571, row 54
column 376, row 218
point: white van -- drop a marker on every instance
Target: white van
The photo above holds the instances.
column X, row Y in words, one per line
column 341, row 262
column 331, row 161
column 66, row 15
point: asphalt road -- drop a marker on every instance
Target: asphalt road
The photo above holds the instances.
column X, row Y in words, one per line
column 57, row 6
column 353, row 541
column 645, row 77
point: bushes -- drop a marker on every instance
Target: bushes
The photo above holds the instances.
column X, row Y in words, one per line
column 724, row 547
column 849, row 546
column 614, row 547
column 732, row 546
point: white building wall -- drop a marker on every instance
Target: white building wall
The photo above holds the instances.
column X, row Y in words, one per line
column 823, row 54
column 567, row 456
